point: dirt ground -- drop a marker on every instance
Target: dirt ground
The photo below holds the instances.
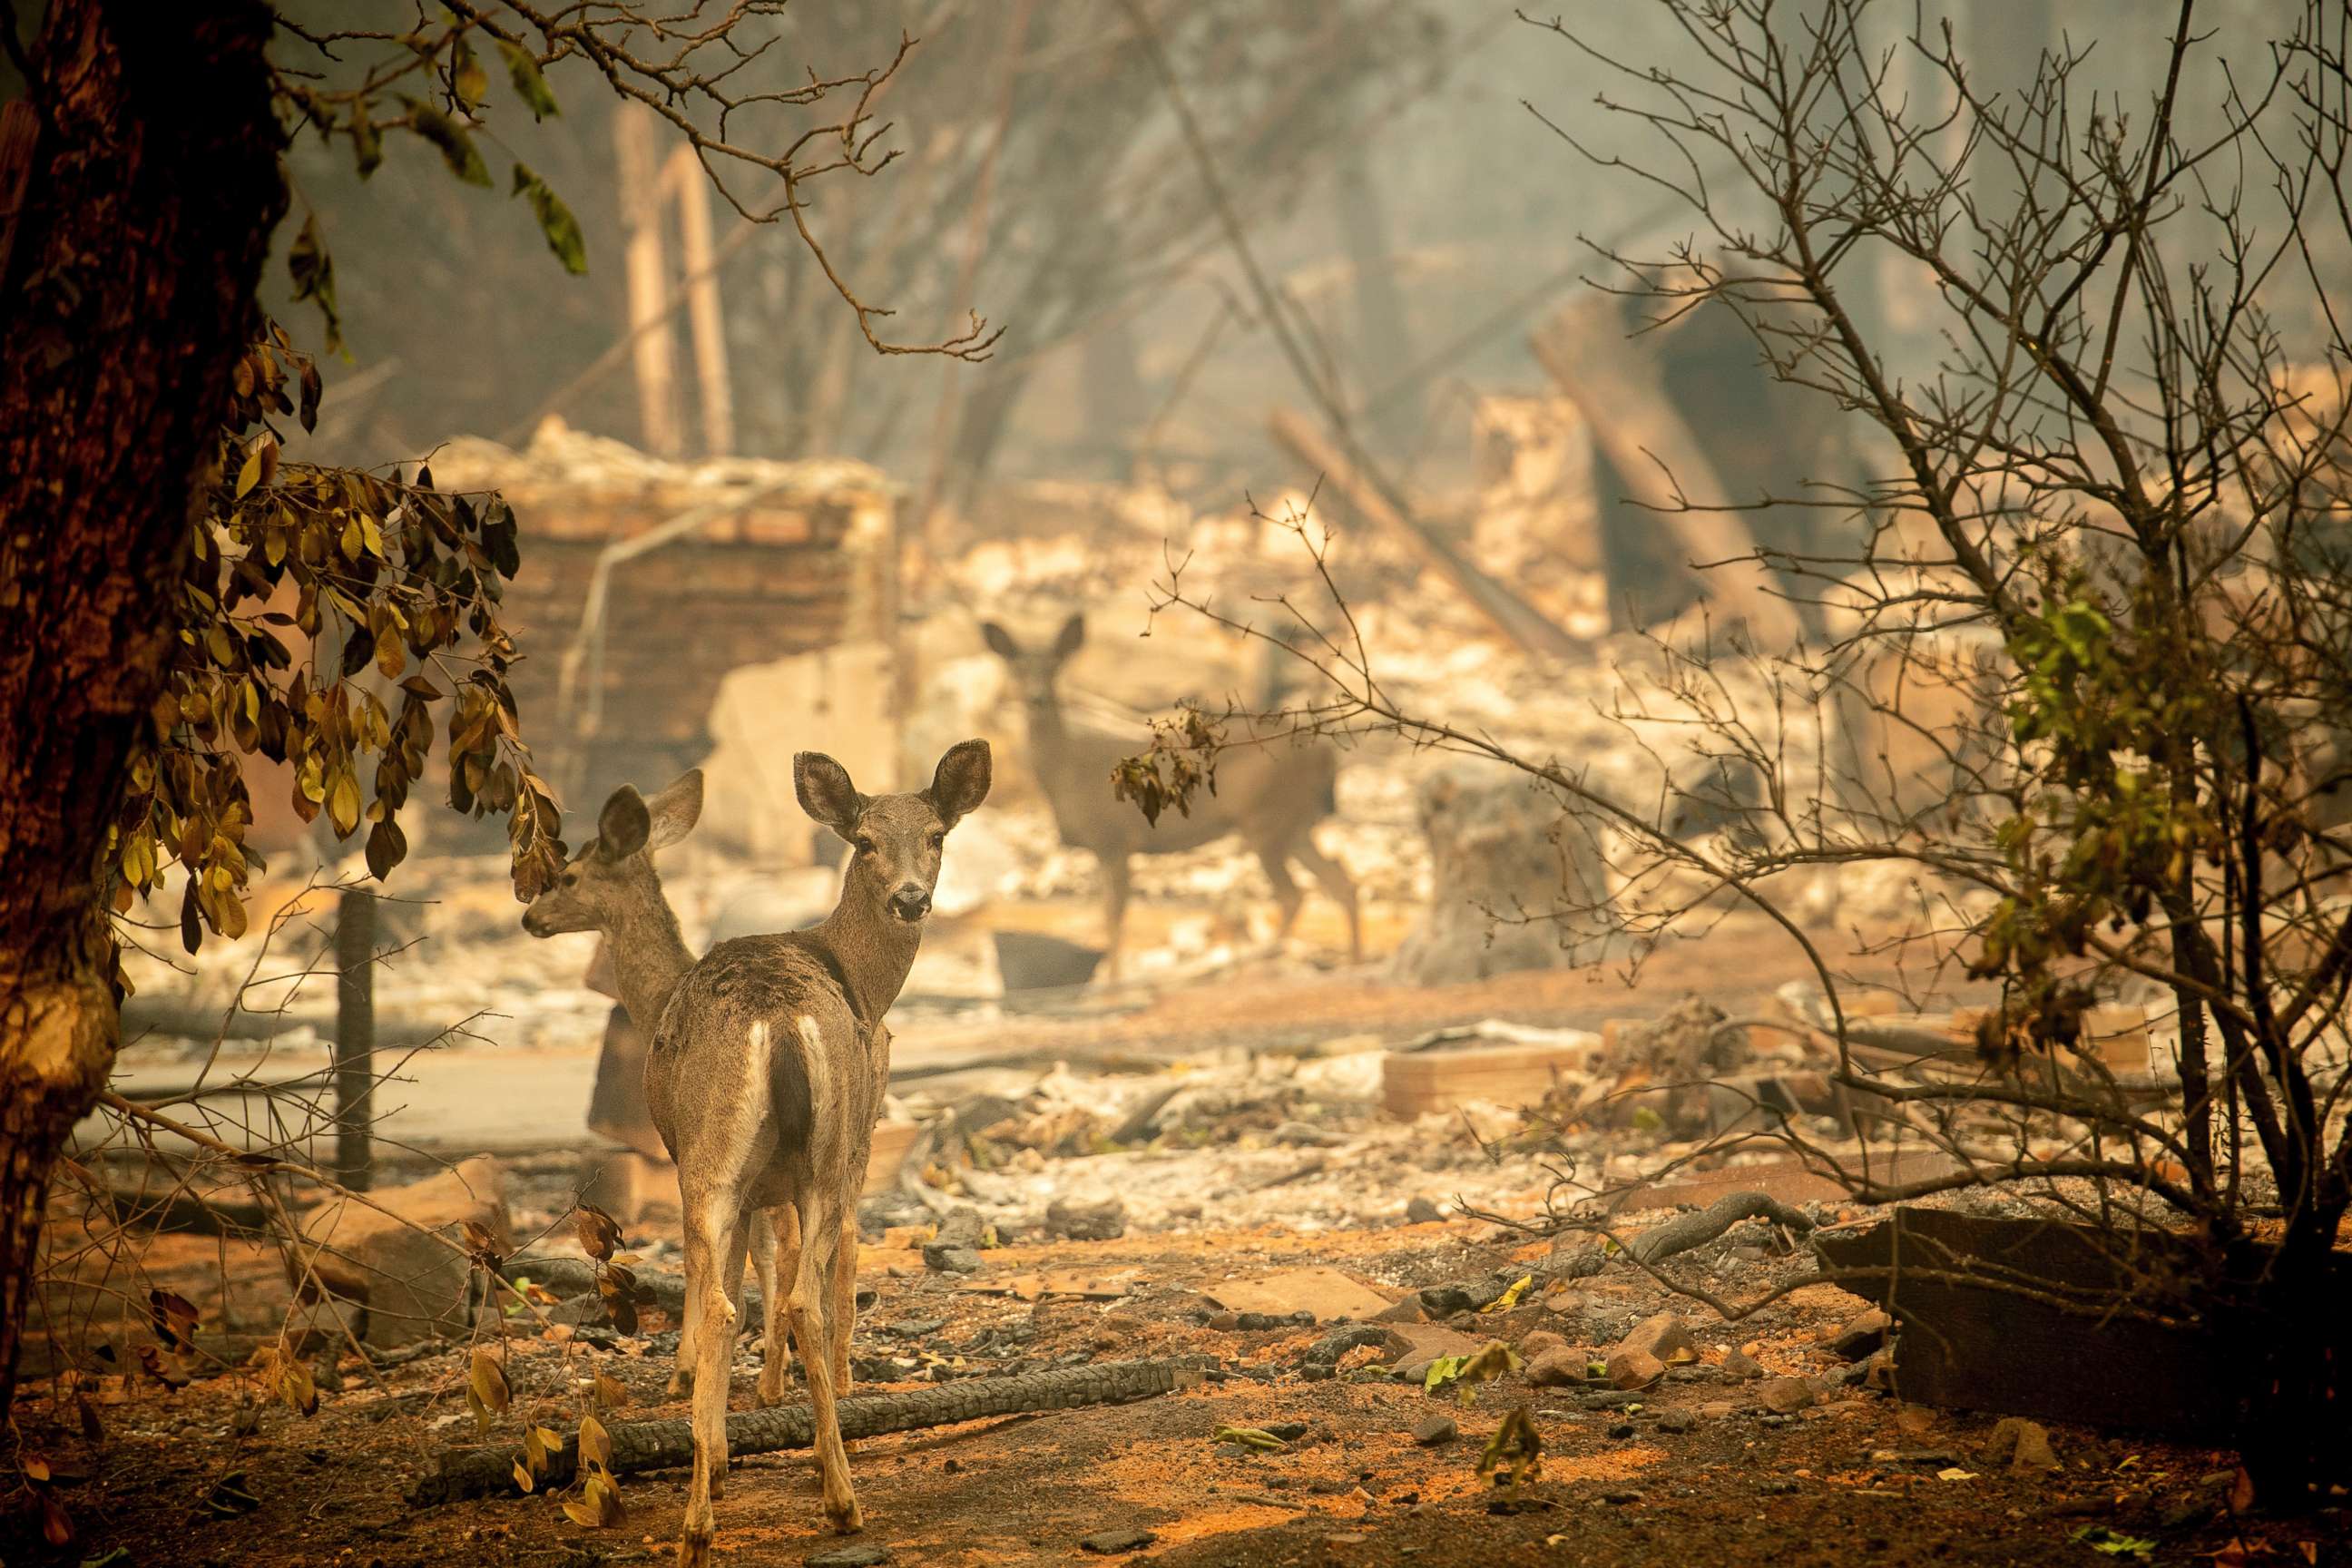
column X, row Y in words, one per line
column 1690, row 1471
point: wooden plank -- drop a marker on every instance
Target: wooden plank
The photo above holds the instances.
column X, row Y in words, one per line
column 1413, row 1083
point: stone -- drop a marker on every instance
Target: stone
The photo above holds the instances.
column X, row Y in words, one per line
column 1739, row 1363
column 396, row 1263
column 1718, row 1410
column 1560, row 1368
column 1622, row 1430
column 1437, row 1429
column 848, row 1557
column 1421, row 1211
column 951, row 1259
column 1463, row 1295
column 1424, row 1342
column 1677, row 1420
column 1865, row 1334
column 1539, row 1342
column 1110, row 1541
column 1634, row 1368
column 1105, row 1221
column 1340, row 1341
column 1662, row 1336
column 1405, row 1311
column 1787, row 1395
column 2023, row 1444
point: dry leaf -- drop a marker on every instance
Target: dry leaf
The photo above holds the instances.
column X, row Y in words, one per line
column 486, row 1382
column 600, row 1233
column 609, row 1392
column 521, row 1476
column 36, row 1469
column 297, row 1388
column 596, row 1443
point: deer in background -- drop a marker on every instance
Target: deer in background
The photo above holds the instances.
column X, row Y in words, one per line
column 765, row 1078
column 1272, row 793
column 611, row 888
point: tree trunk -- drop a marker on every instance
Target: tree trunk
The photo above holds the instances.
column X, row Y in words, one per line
column 129, row 295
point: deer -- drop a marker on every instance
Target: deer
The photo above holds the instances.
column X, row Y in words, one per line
column 1273, row 795
column 611, row 887
column 764, row 1078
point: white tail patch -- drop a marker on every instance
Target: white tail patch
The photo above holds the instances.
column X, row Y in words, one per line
column 813, row 1049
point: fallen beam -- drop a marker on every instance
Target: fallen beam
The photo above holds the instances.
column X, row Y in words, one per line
column 639, row 1445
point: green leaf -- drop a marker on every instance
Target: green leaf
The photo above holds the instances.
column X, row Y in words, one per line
column 456, row 145
column 555, row 220
column 529, row 84
column 367, row 141
column 470, row 80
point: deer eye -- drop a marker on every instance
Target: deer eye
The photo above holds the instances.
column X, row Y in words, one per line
column 864, row 845
column 571, row 877
column 938, row 838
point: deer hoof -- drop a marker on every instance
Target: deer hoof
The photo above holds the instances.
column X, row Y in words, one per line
column 681, row 1384
column 848, row 1519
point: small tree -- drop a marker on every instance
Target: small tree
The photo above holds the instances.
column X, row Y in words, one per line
column 2086, row 656
column 172, row 595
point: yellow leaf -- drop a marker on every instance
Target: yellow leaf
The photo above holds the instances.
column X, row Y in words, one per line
column 521, row 1476
column 596, row 1443
column 344, row 804
column 486, row 1382
column 352, row 542
column 609, row 1392
column 1510, row 1297
column 249, row 475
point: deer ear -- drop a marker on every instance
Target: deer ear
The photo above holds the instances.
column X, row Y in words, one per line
column 1000, row 641
column 1074, row 632
column 960, row 782
column 624, row 825
column 825, row 792
column 676, row 810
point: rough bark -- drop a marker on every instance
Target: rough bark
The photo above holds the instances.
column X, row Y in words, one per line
column 129, row 295
column 669, row 1444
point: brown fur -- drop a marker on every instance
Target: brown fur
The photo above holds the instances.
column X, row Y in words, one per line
column 1271, row 792
column 765, row 1079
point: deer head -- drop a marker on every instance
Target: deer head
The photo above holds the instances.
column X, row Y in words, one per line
column 897, row 837
column 617, row 865
column 1035, row 671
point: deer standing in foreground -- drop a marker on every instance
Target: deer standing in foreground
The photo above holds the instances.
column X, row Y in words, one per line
column 611, row 887
column 1272, row 793
column 765, row 1078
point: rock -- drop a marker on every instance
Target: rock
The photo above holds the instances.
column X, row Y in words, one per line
column 1609, row 1399
column 1665, row 1337
column 1421, row 1211
column 1621, row 1497
column 1340, row 1341
column 1288, row 1431
column 396, row 1263
column 1426, row 1341
column 1623, row 1430
column 1539, row 1342
column 1677, row 1420
column 955, row 1249
column 1405, row 1311
column 1109, row 1542
column 1863, row 1336
column 847, row 1557
column 1463, row 1295
column 1560, row 1368
column 1739, row 1363
column 1718, row 1410
column 1787, row 1395
column 1634, row 1368
column 1435, row 1430
column 1779, row 1486
column 1105, row 1221
column 2024, row 1446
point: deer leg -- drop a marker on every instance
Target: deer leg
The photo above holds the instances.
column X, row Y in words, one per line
column 821, row 1226
column 1115, row 886
column 782, row 1225
column 712, row 1225
column 1337, row 885
column 844, row 1300
column 1286, row 896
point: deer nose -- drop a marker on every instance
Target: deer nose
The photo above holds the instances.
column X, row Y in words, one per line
column 531, row 923
column 910, row 903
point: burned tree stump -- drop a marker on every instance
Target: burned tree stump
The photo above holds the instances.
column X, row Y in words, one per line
column 1505, row 860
